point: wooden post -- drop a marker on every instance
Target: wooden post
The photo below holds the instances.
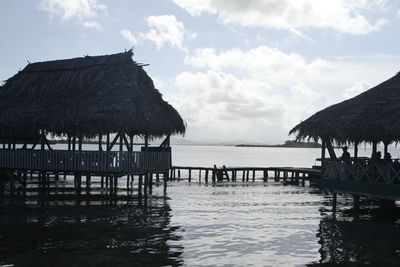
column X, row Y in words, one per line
column 214, row 174
column 69, row 143
column 385, row 149
column 131, row 142
column 80, row 143
column 356, row 207
column 355, row 151
column 146, row 183
column 146, row 140
column 165, row 179
column 140, row 182
column 206, row 177
column 334, row 203
column 100, row 142
column 73, row 142
column 190, row 175
column 88, row 180
column 121, row 142
column 323, row 155
column 374, row 148
column 150, row 183
column 115, row 184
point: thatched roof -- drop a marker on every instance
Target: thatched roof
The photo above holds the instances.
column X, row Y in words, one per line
column 372, row 116
column 85, row 96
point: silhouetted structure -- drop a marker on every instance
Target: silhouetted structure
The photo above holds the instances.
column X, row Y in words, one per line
column 370, row 117
column 98, row 97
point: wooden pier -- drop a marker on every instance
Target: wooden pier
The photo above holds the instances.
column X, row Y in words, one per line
column 245, row 174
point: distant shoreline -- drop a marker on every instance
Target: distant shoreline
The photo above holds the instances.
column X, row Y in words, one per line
column 289, row 144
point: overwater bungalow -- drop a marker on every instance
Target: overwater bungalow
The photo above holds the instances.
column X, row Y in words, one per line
column 371, row 117
column 109, row 99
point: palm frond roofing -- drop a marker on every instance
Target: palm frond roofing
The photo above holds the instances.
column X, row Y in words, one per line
column 372, row 116
column 85, row 96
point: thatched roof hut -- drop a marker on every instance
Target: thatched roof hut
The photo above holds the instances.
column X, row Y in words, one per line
column 372, row 116
column 86, row 97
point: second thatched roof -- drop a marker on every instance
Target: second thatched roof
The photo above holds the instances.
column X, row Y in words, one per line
column 86, row 97
column 372, row 116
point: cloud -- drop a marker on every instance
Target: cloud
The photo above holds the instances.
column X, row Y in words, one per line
column 129, row 36
column 259, row 94
column 340, row 15
column 356, row 88
column 222, row 104
column 261, row 63
column 163, row 30
column 84, row 12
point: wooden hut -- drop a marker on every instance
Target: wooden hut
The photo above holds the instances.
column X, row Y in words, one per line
column 371, row 117
column 109, row 98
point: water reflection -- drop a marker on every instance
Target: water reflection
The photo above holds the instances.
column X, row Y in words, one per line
column 94, row 231
column 368, row 235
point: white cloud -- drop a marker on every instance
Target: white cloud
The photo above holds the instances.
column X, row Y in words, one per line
column 263, row 63
column 356, row 88
column 163, row 30
column 84, row 12
column 129, row 36
column 340, row 15
column 221, row 105
column 398, row 14
column 259, row 94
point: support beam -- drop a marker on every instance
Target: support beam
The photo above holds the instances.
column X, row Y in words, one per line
column 331, row 151
column 131, row 141
column 323, row 155
column 127, row 145
column 374, row 148
column 355, row 151
column 80, row 143
column 113, row 142
column 108, row 141
column 121, row 142
column 73, row 142
column 69, row 143
column 100, row 142
column 385, row 148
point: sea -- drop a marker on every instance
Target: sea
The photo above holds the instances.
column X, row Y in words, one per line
column 198, row 224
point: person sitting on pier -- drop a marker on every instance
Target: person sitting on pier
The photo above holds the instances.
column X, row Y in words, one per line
column 388, row 157
column 346, row 156
column 376, row 156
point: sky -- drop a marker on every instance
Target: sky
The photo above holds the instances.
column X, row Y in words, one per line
column 238, row 71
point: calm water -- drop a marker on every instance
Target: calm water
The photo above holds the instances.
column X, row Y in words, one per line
column 230, row 224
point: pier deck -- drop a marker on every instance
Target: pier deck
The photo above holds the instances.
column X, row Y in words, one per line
column 245, row 174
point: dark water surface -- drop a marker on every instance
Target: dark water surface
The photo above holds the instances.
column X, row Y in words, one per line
column 230, row 224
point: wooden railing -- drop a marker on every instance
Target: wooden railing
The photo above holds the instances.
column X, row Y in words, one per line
column 85, row 161
column 363, row 171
